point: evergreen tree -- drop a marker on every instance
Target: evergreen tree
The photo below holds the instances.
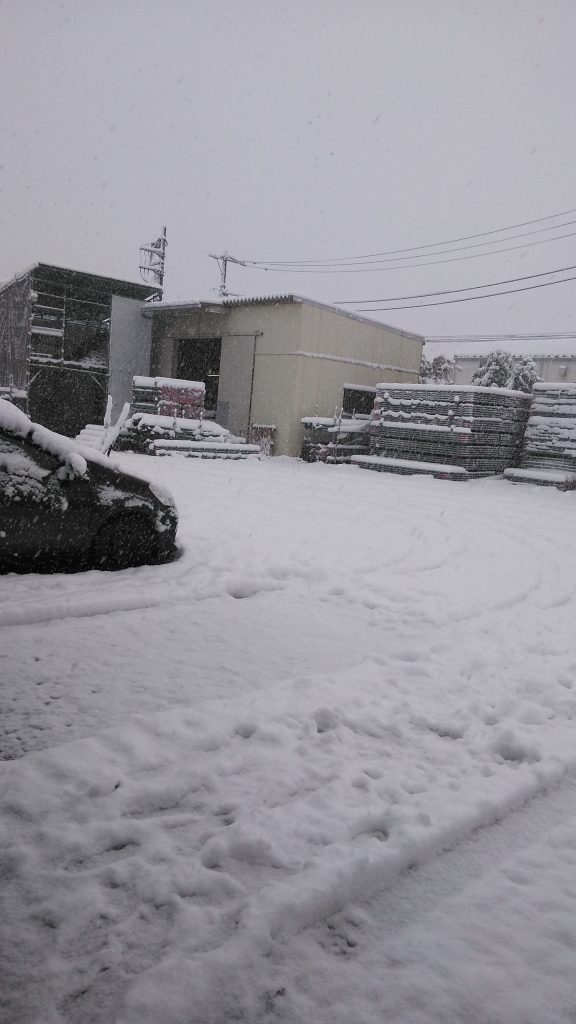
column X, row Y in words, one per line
column 525, row 374
column 439, row 370
column 503, row 370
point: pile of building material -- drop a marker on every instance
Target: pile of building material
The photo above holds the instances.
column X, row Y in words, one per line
column 549, row 451
column 168, row 396
column 334, row 440
column 206, row 449
column 174, row 435
column 168, row 419
column 446, row 429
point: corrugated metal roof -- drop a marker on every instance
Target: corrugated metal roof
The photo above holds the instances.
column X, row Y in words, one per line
column 261, row 300
column 237, row 301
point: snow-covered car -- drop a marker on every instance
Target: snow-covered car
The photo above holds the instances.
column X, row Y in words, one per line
column 71, row 507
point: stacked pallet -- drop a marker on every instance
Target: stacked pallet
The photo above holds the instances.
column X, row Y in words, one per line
column 549, row 451
column 333, row 440
column 168, row 396
column 441, row 427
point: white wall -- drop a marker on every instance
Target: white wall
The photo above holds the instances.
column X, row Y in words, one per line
column 130, row 344
column 235, row 384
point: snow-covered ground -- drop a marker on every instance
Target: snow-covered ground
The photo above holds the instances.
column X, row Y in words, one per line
column 321, row 768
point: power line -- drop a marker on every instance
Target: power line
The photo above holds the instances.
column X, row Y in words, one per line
column 471, row 298
column 454, row 291
column 363, row 261
column 364, row 269
column 416, row 248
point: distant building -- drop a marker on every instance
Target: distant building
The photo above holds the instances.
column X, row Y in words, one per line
column 272, row 360
column 555, row 358
column 69, row 338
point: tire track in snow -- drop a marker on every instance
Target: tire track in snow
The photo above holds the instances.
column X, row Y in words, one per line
column 377, row 943
column 419, row 891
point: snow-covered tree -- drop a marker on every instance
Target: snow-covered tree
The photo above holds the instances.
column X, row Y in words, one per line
column 525, row 374
column 439, row 370
column 503, row 370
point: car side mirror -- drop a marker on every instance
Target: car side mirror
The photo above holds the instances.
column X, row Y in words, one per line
column 73, row 467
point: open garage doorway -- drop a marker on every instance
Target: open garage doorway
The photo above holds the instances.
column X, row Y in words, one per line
column 199, row 359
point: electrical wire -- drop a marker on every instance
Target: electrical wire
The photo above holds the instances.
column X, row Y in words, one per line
column 364, row 261
column 454, row 291
column 408, row 266
column 417, row 248
column 471, row 298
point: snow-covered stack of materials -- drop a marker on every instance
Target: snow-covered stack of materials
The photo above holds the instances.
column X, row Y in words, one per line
column 92, row 436
column 264, row 435
column 18, row 397
column 168, row 396
column 549, row 452
column 197, row 438
column 330, row 439
column 446, row 429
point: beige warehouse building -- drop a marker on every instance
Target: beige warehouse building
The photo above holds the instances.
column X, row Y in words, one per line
column 271, row 361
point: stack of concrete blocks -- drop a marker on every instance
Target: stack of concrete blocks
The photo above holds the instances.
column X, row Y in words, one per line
column 549, row 451
column 451, row 431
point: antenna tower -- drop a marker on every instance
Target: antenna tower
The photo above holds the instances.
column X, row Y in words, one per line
column 152, row 261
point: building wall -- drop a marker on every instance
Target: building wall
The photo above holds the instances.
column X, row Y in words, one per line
column 327, row 331
column 302, row 357
column 130, row 346
column 276, row 329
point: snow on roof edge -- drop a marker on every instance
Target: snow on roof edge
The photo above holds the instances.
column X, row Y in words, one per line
column 285, row 299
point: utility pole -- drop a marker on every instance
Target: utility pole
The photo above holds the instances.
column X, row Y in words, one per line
column 223, row 260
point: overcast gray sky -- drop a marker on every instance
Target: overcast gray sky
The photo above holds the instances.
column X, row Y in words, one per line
column 293, row 130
